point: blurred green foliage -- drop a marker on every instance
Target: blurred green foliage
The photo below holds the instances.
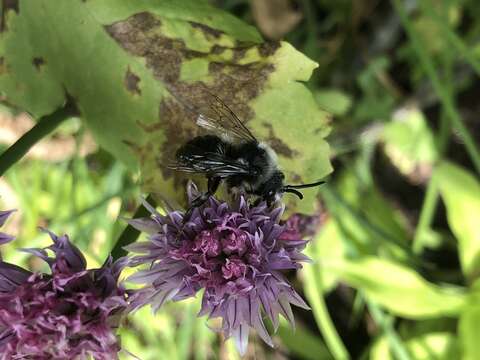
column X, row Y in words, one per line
column 395, row 272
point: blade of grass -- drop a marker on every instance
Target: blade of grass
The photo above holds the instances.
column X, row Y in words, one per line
column 455, row 40
column 445, row 97
column 385, row 322
column 43, row 127
column 431, row 198
column 314, row 293
column 204, row 344
column 185, row 331
column 357, row 311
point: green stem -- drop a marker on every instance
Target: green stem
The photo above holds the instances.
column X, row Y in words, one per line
column 130, row 234
column 44, row 126
column 315, row 295
column 395, row 342
column 426, row 215
column 431, row 197
column 445, row 98
column 452, row 37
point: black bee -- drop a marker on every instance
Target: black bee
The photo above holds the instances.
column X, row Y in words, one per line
column 232, row 154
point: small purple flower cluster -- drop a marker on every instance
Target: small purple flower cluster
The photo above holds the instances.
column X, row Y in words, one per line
column 237, row 254
column 71, row 313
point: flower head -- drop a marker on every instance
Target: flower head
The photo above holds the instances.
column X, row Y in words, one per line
column 237, row 254
column 71, row 313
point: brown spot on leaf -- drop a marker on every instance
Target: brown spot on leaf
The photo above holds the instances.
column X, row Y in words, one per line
column 268, row 48
column 236, row 84
column 7, row 5
column 278, row 144
column 38, row 62
column 131, row 82
column 217, row 49
column 207, row 30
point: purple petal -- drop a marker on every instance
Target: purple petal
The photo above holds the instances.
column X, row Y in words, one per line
column 4, row 216
column 63, row 248
column 11, row 276
column 42, row 254
column 295, row 299
column 240, row 335
column 286, row 310
column 259, row 326
column 5, row 238
column 161, row 297
column 146, row 225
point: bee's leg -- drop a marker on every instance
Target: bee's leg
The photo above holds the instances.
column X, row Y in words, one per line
column 270, row 200
column 257, row 201
column 213, row 183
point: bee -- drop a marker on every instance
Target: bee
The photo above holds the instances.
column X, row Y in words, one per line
column 233, row 155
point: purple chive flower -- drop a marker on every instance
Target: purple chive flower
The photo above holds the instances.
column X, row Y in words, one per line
column 71, row 313
column 237, row 254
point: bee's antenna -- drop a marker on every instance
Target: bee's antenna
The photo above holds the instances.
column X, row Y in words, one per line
column 293, row 191
column 303, row 186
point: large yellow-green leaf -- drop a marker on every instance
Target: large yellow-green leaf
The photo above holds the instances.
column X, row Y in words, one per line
column 469, row 324
column 436, row 345
column 117, row 58
column 460, row 191
column 398, row 288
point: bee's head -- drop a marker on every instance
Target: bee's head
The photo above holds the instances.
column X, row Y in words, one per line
column 274, row 187
column 271, row 189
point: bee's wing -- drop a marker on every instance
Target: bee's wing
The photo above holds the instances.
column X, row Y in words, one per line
column 213, row 114
column 219, row 118
column 210, row 164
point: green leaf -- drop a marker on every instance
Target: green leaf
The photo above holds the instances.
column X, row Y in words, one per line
column 334, row 101
column 410, row 144
column 303, row 343
column 469, row 327
column 438, row 346
column 116, row 59
column 398, row 288
column 469, row 324
column 460, row 191
column 366, row 220
column 329, row 243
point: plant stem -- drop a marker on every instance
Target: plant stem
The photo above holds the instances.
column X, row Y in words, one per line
column 431, row 196
column 443, row 93
column 396, row 343
column 315, row 295
column 426, row 215
column 130, row 234
column 44, row 126
column 451, row 36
